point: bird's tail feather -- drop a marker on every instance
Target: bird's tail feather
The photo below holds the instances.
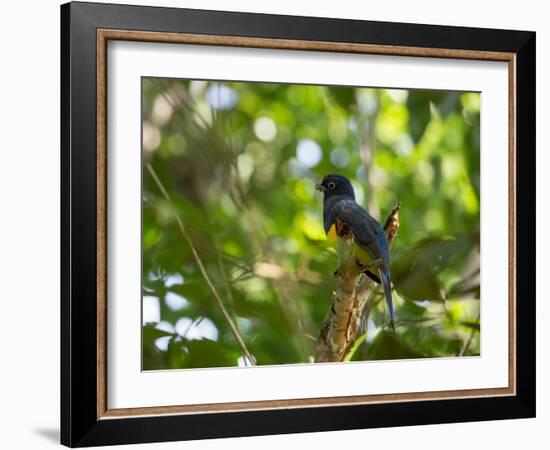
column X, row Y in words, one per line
column 385, row 278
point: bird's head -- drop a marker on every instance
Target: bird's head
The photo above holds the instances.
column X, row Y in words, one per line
column 336, row 185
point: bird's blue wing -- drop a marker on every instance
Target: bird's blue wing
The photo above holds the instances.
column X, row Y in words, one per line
column 370, row 236
column 368, row 233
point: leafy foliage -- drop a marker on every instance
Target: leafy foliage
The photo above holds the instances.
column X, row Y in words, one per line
column 239, row 162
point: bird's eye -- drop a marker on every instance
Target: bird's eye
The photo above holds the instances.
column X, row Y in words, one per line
column 331, row 185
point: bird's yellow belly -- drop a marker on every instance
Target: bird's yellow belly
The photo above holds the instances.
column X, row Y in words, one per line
column 331, row 235
column 362, row 256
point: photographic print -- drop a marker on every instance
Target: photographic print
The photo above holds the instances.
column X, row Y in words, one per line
column 297, row 224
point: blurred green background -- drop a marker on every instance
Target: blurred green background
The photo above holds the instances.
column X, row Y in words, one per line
column 240, row 161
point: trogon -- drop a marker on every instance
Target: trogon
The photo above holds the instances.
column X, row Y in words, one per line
column 341, row 212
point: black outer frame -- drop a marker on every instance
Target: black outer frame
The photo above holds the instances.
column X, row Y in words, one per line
column 79, row 423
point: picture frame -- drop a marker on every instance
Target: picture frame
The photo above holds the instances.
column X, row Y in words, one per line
column 86, row 29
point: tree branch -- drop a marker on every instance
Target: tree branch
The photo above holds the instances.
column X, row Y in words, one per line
column 340, row 328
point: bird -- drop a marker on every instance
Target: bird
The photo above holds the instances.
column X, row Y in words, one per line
column 342, row 216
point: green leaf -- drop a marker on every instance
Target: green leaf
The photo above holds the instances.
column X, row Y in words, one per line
column 388, row 345
column 343, row 96
column 356, row 345
column 150, row 333
column 207, row 353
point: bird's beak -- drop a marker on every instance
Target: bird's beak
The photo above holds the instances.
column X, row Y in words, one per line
column 320, row 187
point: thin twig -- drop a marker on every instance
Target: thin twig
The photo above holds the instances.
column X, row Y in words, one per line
column 193, row 323
column 224, row 275
column 469, row 341
column 232, row 324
